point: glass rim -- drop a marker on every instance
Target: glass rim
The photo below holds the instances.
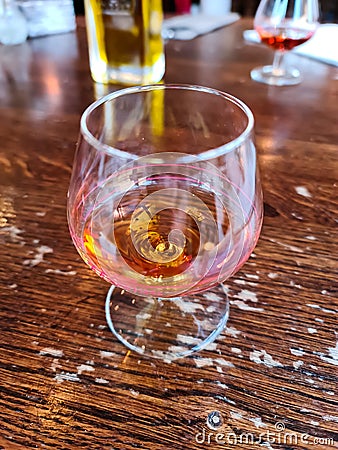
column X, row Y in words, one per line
column 205, row 155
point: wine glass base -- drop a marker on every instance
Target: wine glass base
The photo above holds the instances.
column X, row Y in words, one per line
column 268, row 75
column 167, row 328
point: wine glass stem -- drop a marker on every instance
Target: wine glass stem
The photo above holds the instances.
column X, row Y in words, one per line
column 278, row 63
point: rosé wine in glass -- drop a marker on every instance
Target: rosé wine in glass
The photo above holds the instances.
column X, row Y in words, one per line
column 165, row 204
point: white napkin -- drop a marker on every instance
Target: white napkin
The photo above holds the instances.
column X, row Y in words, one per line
column 189, row 26
column 323, row 46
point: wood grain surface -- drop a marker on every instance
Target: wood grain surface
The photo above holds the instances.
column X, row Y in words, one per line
column 65, row 381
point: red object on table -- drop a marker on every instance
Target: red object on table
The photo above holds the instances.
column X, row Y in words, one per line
column 183, row 6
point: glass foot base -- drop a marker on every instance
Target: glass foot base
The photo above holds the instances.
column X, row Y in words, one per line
column 269, row 75
column 167, row 328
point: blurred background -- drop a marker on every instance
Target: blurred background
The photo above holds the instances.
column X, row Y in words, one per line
column 329, row 8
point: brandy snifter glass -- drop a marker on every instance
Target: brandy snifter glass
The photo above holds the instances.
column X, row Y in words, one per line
column 165, row 204
column 283, row 25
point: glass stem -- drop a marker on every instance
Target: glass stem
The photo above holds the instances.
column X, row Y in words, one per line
column 278, row 64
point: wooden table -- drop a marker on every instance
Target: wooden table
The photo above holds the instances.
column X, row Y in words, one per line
column 65, row 381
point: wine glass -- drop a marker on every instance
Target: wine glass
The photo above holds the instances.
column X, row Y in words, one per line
column 282, row 25
column 165, row 204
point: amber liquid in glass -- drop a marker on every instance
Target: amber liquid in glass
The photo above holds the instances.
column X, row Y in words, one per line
column 160, row 245
column 283, row 39
column 124, row 39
